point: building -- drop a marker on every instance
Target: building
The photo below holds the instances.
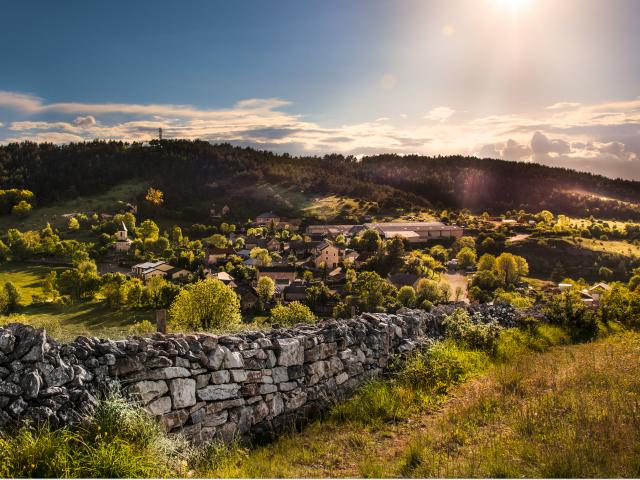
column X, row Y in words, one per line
column 333, row 230
column 266, row 218
column 416, row 232
column 147, row 270
column 248, row 296
column 224, row 277
column 215, row 254
column 123, row 242
column 297, row 291
column 327, row 254
column 286, row 273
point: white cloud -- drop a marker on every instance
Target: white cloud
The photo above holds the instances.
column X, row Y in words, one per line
column 87, row 121
column 602, row 137
column 563, row 106
column 439, row 114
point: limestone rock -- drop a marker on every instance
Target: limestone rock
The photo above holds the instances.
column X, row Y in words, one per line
column 183, row 392
column 148, row 390
column 218, row 392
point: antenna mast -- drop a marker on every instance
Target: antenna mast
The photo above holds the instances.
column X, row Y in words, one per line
column 160, row 133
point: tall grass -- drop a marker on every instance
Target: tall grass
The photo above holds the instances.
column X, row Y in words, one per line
column 119, row 440
column 418, row 386
column 572, row 412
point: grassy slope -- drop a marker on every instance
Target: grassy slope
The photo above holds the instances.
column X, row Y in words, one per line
column 27, row 277
column 65, row 322
column 572, row 411
column 104, row 202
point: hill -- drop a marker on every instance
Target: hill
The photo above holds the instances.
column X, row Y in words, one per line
column 569, row 412
column 197, row 176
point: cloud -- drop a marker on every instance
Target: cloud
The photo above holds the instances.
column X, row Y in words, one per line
column 601, row 137
column 439, row 114
column 87, row 121
column 563, row 106
column 541, row 145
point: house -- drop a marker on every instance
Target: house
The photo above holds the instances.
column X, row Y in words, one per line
column 303, row 249
column 254, row 241
column 350, row 255
column 224, row 277
column 273, row 245
column 416, row 232
column 333, row 230
column 123, row 242
column 297, row 291
column 215, row 254
column 595, row 293
column 248, row 296
column 277, row 272
column 267, row 218
column 399, row 280
column 147, row 270
column 327, row 254
column 335, row 275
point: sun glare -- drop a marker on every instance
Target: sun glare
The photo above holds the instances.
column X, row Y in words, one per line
column 514, row 6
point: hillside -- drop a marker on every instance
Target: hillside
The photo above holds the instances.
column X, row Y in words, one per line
column 198, row 176
column 570, row 412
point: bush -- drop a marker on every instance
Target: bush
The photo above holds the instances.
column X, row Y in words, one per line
column 459, row 326
column 141, row 328
column 291, row 314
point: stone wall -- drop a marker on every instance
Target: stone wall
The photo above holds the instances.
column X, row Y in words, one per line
column 207, row 386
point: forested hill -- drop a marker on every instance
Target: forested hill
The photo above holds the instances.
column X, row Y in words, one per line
column 195, row 174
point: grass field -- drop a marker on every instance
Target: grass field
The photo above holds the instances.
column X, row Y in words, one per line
column 609, row 246
column 570, row 412
column 65, row 322
column 104, row 202
column 26, row 276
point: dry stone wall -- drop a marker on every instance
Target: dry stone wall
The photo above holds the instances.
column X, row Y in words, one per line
column 206, row 386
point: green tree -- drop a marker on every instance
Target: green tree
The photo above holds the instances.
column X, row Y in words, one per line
column 370, row 241
column 373, row 291
column 22, row 209
column 148, row 229
column 487, row 262
column 5, row 252
column 73, row 224
column 466, row 257
column 261, row 255
column 265, row 288
column 507, row 269
column 205, row 305
column 407, row 296
column 9, row 298
column 294, row 312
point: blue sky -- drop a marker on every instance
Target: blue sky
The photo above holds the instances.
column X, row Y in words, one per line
column 556, row 82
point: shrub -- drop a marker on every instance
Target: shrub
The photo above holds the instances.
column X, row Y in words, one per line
column 461, row 327
column 142, row 327
column 291, row 314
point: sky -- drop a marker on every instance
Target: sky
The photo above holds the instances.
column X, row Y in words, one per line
column 551, row 81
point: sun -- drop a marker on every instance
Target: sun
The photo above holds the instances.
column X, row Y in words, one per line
column 512, row 5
